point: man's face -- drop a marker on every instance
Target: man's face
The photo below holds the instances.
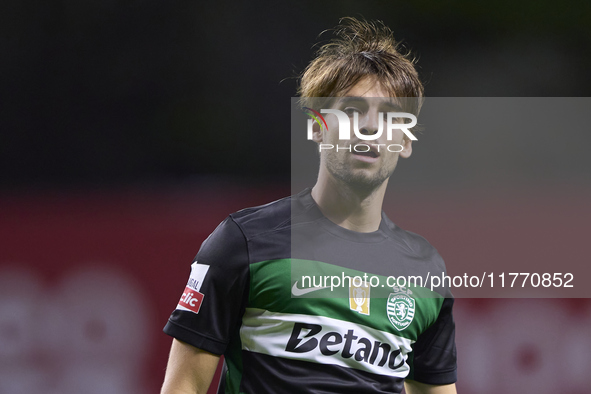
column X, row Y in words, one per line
column 363, row 170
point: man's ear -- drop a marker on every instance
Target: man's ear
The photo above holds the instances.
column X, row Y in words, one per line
column 407, row 151
column 316, row 133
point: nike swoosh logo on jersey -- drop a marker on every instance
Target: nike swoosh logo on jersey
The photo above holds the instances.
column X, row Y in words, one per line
column 296, row 291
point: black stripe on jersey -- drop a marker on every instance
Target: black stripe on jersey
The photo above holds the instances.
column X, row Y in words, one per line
column 275, row 375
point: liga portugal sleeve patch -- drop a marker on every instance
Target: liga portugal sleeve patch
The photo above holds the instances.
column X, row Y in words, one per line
column 192, row 298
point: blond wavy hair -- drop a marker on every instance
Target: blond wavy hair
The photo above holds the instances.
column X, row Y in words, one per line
column 361, row 49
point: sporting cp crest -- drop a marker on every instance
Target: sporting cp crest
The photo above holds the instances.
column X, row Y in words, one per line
column 401, row 310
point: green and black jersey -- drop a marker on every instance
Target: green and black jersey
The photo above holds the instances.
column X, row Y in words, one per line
column 263, row 292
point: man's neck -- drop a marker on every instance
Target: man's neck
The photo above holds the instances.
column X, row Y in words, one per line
column 356, row 210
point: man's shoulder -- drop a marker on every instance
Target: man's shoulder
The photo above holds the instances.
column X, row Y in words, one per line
column 418, row 242
column 415, row 242
column 234, row 233
column 255, row 221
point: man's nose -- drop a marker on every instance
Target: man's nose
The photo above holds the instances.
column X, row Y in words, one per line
column 368, row 131
column 369, row 123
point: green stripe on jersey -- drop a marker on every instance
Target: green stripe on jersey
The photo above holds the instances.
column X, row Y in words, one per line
column 276, row 286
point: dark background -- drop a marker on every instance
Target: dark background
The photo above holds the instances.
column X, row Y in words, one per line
column 105, row 93
column 129, row 130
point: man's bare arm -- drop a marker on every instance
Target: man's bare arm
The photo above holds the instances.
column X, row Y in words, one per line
column 189, row 370
column 413, row 387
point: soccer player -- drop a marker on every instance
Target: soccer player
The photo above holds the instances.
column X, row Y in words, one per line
column 243, row 299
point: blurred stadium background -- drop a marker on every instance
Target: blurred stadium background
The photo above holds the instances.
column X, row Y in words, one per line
column 127, row 132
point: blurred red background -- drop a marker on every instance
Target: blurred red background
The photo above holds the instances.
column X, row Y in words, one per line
column 88, row 279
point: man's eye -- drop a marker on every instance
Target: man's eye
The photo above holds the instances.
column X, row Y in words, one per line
column 350, row 111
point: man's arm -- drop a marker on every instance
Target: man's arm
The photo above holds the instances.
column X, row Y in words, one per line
column 189, row 371
column 413, row 387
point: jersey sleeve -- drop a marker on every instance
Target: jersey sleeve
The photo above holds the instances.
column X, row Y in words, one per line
column 434, row 352
column 214, row 298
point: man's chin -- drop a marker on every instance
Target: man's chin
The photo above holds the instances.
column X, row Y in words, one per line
column 362, row 181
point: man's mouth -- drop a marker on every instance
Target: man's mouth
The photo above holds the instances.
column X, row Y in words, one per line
column 368, row 154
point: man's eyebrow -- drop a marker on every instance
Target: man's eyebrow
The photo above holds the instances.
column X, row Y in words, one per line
column 393, row 106
column 350, row 99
